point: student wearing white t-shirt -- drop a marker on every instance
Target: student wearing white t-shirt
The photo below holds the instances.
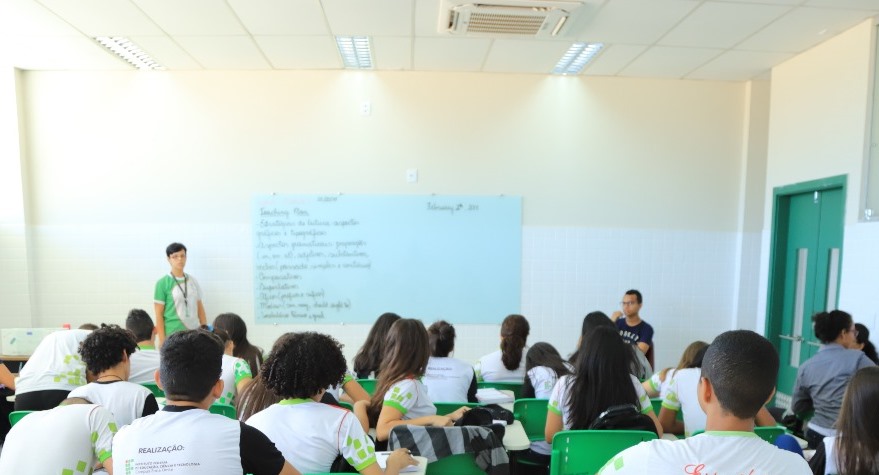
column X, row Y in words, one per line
column 145, row 361
column 107, row 354
column 657, row 385
column 739, row 372
column 51, row 372
column 544, row 366
column 400, row 398
column 311, row 435
column 71, row 438
column 601, row 380
column 447, row 379
column 508, row 363
column 236, row 372
column 184, row 437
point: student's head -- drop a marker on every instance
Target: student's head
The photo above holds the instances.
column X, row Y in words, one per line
column 228, row 345
column 591, row 321
column 603, row 376
column 741, row 367
column 140, row 324
column 174, row 248
column 542, row 354
column 235, row 327
column 191, row 364
column 693, row 354
column 514, row 334
column 632, row 302
column 857, row 443
column 369, row 357
column 862, row 336
column 442, row 338
column 106, row 347
column 88, row 326
column 406, row 353
column 303, row 365
column 829, row 326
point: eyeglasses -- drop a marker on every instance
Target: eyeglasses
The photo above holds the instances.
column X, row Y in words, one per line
column 626, row 304
column 178, row 257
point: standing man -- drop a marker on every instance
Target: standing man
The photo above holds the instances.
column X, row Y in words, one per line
column 177, row 297
column 633, row 330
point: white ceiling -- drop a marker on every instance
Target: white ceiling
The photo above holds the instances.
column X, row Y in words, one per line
column 693, row 39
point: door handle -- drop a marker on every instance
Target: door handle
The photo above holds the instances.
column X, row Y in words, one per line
column 795, row 338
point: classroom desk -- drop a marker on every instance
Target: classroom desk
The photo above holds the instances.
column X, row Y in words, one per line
column 515, row 437
column 421, row 469
column 14, row 362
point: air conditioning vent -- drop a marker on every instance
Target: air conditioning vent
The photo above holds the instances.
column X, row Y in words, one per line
column 535, row 18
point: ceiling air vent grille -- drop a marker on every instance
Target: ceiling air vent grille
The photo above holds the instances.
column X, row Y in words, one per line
column 535, row 18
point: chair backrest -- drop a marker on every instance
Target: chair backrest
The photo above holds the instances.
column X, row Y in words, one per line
column 769, row 433
column 584, row 452
column 532, row 414
column 445, row 408
column 16, row 416
column 154, row 388
column 368, row 385
column 223, row 410
column 457, row 464
column 516, row 388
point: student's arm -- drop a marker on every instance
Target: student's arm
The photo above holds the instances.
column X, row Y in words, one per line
column 398, row 460
column 553, row 425
column 202, row 318
column 243, row 383
column 6, row 377
column 668, row 421
column 643, row 347
column 355, row 391
column 108, row 465
column 801, row 401
column 614, row 316
column 764, row 418
column 648, row 387
column 160, row 324
column 652, row 415
column 391, row 417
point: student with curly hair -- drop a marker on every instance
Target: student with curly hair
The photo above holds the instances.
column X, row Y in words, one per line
column 310, row 434
column 400, row 397
column 508, row 363
column 822, row 379
column 184, row 436
column 369, row 357
column 447, row 379
column 107, row 355
column 241, row 348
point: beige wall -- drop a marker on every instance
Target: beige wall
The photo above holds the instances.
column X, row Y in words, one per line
column 581, row 151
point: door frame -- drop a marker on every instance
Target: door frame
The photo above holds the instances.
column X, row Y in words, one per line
column 780, row 208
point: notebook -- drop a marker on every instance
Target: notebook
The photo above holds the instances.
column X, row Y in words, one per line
column 382, row 459
column 493, row 396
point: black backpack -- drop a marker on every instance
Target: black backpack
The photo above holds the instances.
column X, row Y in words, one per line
column 624, row 416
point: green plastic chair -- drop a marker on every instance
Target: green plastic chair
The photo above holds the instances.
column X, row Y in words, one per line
column 532, row 414
column 16, row 416
column 446, row 408
column 585, row 452
column 368, row 385
column 515, row 387
column 154, row 388
column 223, row 410
column 769, row 433
column 458, row 464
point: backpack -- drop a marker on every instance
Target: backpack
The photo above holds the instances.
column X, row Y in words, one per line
column 624, row 416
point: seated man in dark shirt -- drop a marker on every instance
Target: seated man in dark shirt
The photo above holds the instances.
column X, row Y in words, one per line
column 633, row 330
column 185, row 437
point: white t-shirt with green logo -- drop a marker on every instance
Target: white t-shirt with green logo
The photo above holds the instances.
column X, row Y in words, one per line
column 55, row 364
column 409, row 396
column 312, row 434
column 64, row 440
column 682, row 397
column 234, row 370
column 720, row 453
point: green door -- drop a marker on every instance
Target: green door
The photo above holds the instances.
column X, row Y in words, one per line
column 804, row 269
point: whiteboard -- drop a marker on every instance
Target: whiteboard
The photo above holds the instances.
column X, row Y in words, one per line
column 350, row 258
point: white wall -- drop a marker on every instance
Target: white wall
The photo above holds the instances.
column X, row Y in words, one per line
column 626, row 183
column 819, row 106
